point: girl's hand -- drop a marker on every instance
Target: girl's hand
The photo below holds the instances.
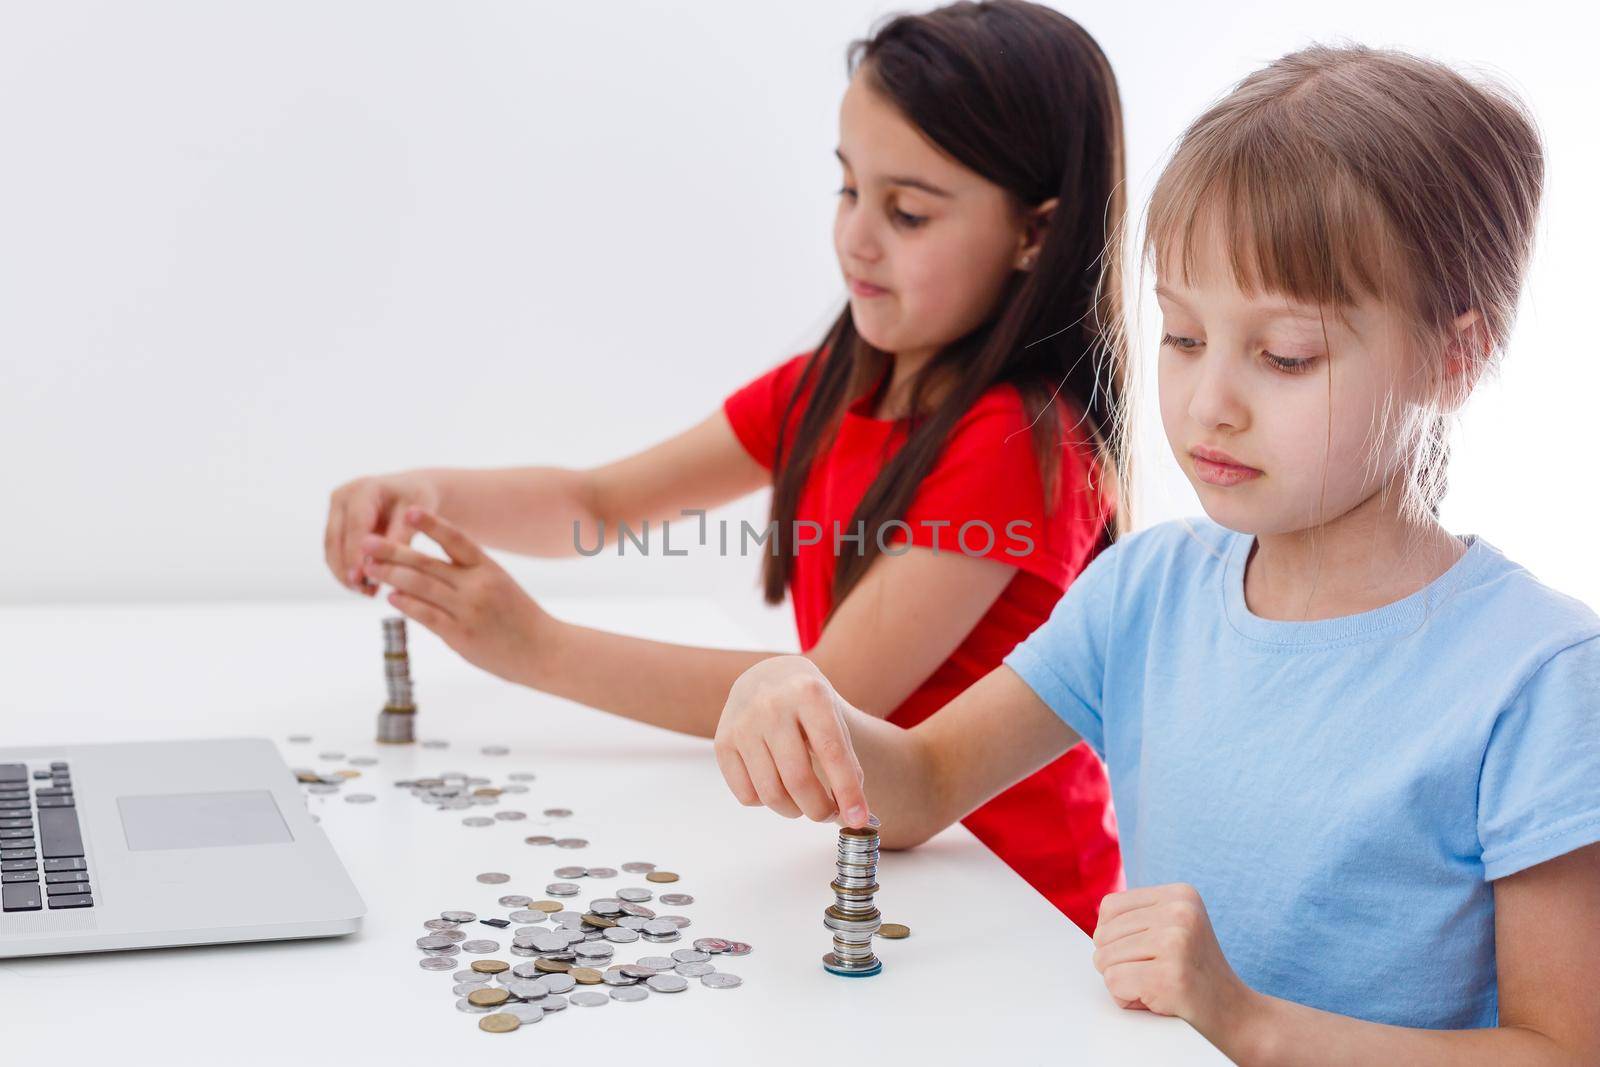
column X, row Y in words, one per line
column 469, row 600
column 1157, row 952
column 366, row 506
column 783, row 741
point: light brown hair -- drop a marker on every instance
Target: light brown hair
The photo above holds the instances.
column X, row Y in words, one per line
column 1337, row 172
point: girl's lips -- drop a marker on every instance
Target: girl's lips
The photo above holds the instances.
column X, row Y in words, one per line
column 861, row 288
column 1224, row 474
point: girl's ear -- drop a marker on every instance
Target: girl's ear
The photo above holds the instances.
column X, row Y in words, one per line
column 1035, row 223
column 1466, row 353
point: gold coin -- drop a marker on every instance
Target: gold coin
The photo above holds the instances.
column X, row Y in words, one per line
column 585, row 975
column 348, row 772
column 597, row 920
column 547, row 906
column 490, row 966
column 487, row 998
column 551, row 966
column 498, row 1023
column 661, row 876
column 486, row 791
column 894, row 930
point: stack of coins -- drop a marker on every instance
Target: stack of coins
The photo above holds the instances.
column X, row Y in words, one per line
column 854, row 918
column 395, row 721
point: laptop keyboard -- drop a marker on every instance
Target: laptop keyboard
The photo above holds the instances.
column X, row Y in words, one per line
column 41, row 851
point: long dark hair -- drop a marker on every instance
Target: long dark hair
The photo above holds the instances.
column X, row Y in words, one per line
column 1022, row 96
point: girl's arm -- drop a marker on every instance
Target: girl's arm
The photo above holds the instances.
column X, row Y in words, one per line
column 787, row 740
column 883, row 653
column 1547, row 938
column 534, row 510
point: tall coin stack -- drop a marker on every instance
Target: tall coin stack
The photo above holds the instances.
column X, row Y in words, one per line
column 395, row 721
column 854, row 918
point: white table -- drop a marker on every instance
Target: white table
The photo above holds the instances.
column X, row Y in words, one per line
column 991, row 972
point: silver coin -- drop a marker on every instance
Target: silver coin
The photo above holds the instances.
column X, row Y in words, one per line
column 553, row 1003
column 548, row 942
column 737, row 948
column 510, row 816
column 558, row 983
column 721, row 980
column 362, row 761
column 635, row 867
column 433, row 941
column 526, row 988
column 620, row 935
column 512, row 900
column 458, row 917
column 638, row 910
column 521, row 950
column 571, row 919
column 477, row 820
column 522, row 776
column 695, row 970
column 659, row 928
column 667, row 983
column 514, row 787
column 573, row 935
column 524, row 915
column 712, row 945
column 526, row 970
column 449, row 950
column 571, row 872
column 593, row 950
column 484, row 802
column 557, row 813
column 470, row 1008
column 605, row 906
column 629, row 992
column 525, row 1013
column 571, row 842
column 589, row 999
column 435, row 743
column 478, row 948
column 686, row 955
column 436, row 963
column 467, row 974
column 321, row 788
column 455, row 935
column 634, row 894
column 300, row 739
column 658, row 963
column 561, row 889
column 602, row 872
column 441, row 924
column 539, row 839
column 359, row 798
column 681, row 922
column 617, row 977
column 330, row 755
column 461, row 989
column 494, row 878
column 676, row 900
column 494, row 750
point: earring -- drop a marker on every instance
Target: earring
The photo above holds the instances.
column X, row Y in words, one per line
column 1027, row 261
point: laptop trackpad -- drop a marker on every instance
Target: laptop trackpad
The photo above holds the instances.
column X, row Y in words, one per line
column 202, row 820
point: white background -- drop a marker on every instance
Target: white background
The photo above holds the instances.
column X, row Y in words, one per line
column 248, row 251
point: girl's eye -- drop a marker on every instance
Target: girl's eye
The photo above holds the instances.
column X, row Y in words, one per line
column 1290, row 366
column 845, row 190
column 907, row 220
column 1182, row 344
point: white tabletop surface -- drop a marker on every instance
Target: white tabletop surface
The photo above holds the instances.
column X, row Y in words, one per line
column 991, row 972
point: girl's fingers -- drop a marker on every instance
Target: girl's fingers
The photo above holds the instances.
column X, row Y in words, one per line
column 1114, row 904
column 331, row 541
column 404, row 556
column 764, row 776
column 1123, row 925
column 830, row 745
column 793, row 760
column 733, row 772
column 457, row 545
column 420, row 610
column 1131, row 949
column 360, row 517
column 414, row 584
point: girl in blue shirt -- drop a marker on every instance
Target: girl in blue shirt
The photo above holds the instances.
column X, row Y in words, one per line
column 1355, row 758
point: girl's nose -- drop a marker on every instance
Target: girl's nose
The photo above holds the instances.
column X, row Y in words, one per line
column 857, row 237
column 1215, row 402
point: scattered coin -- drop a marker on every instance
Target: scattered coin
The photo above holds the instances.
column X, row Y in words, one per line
column 894, row 930
column 510, row 816
column 561, row 889
column 604, row 872
column 501, row 1022
column 674, row 900
column 557, row 813
column 489, row 966
column 667, row 983
column 359, row 798
column 458, row 917
column 300, row 739
column 511, row 900
column 493, row 878
column 629, row 992
column 585, row 975
column 467, row 1006
column 660, row 876
column 539, row 839
column 695, row 970
column 553, row 1003
column 721, row 980
column 589, row 999
column 488, row 997
column 477, row 820
column 571, row 842
column 636, row 867
column 436, row 963
column 480, row 947
column 494, row 750
column 525, row 1013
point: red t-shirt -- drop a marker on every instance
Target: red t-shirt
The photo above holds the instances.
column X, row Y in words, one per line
column 1055, row 828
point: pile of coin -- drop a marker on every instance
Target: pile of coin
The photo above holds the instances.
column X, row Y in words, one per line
column 566, row 950
column 854, row 918
column 396, row 722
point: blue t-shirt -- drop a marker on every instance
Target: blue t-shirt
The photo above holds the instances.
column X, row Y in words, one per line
column 1341, row 792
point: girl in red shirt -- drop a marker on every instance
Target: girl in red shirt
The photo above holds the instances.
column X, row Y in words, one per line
column 939, row 464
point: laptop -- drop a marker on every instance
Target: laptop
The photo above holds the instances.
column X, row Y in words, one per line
column 151, row 844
